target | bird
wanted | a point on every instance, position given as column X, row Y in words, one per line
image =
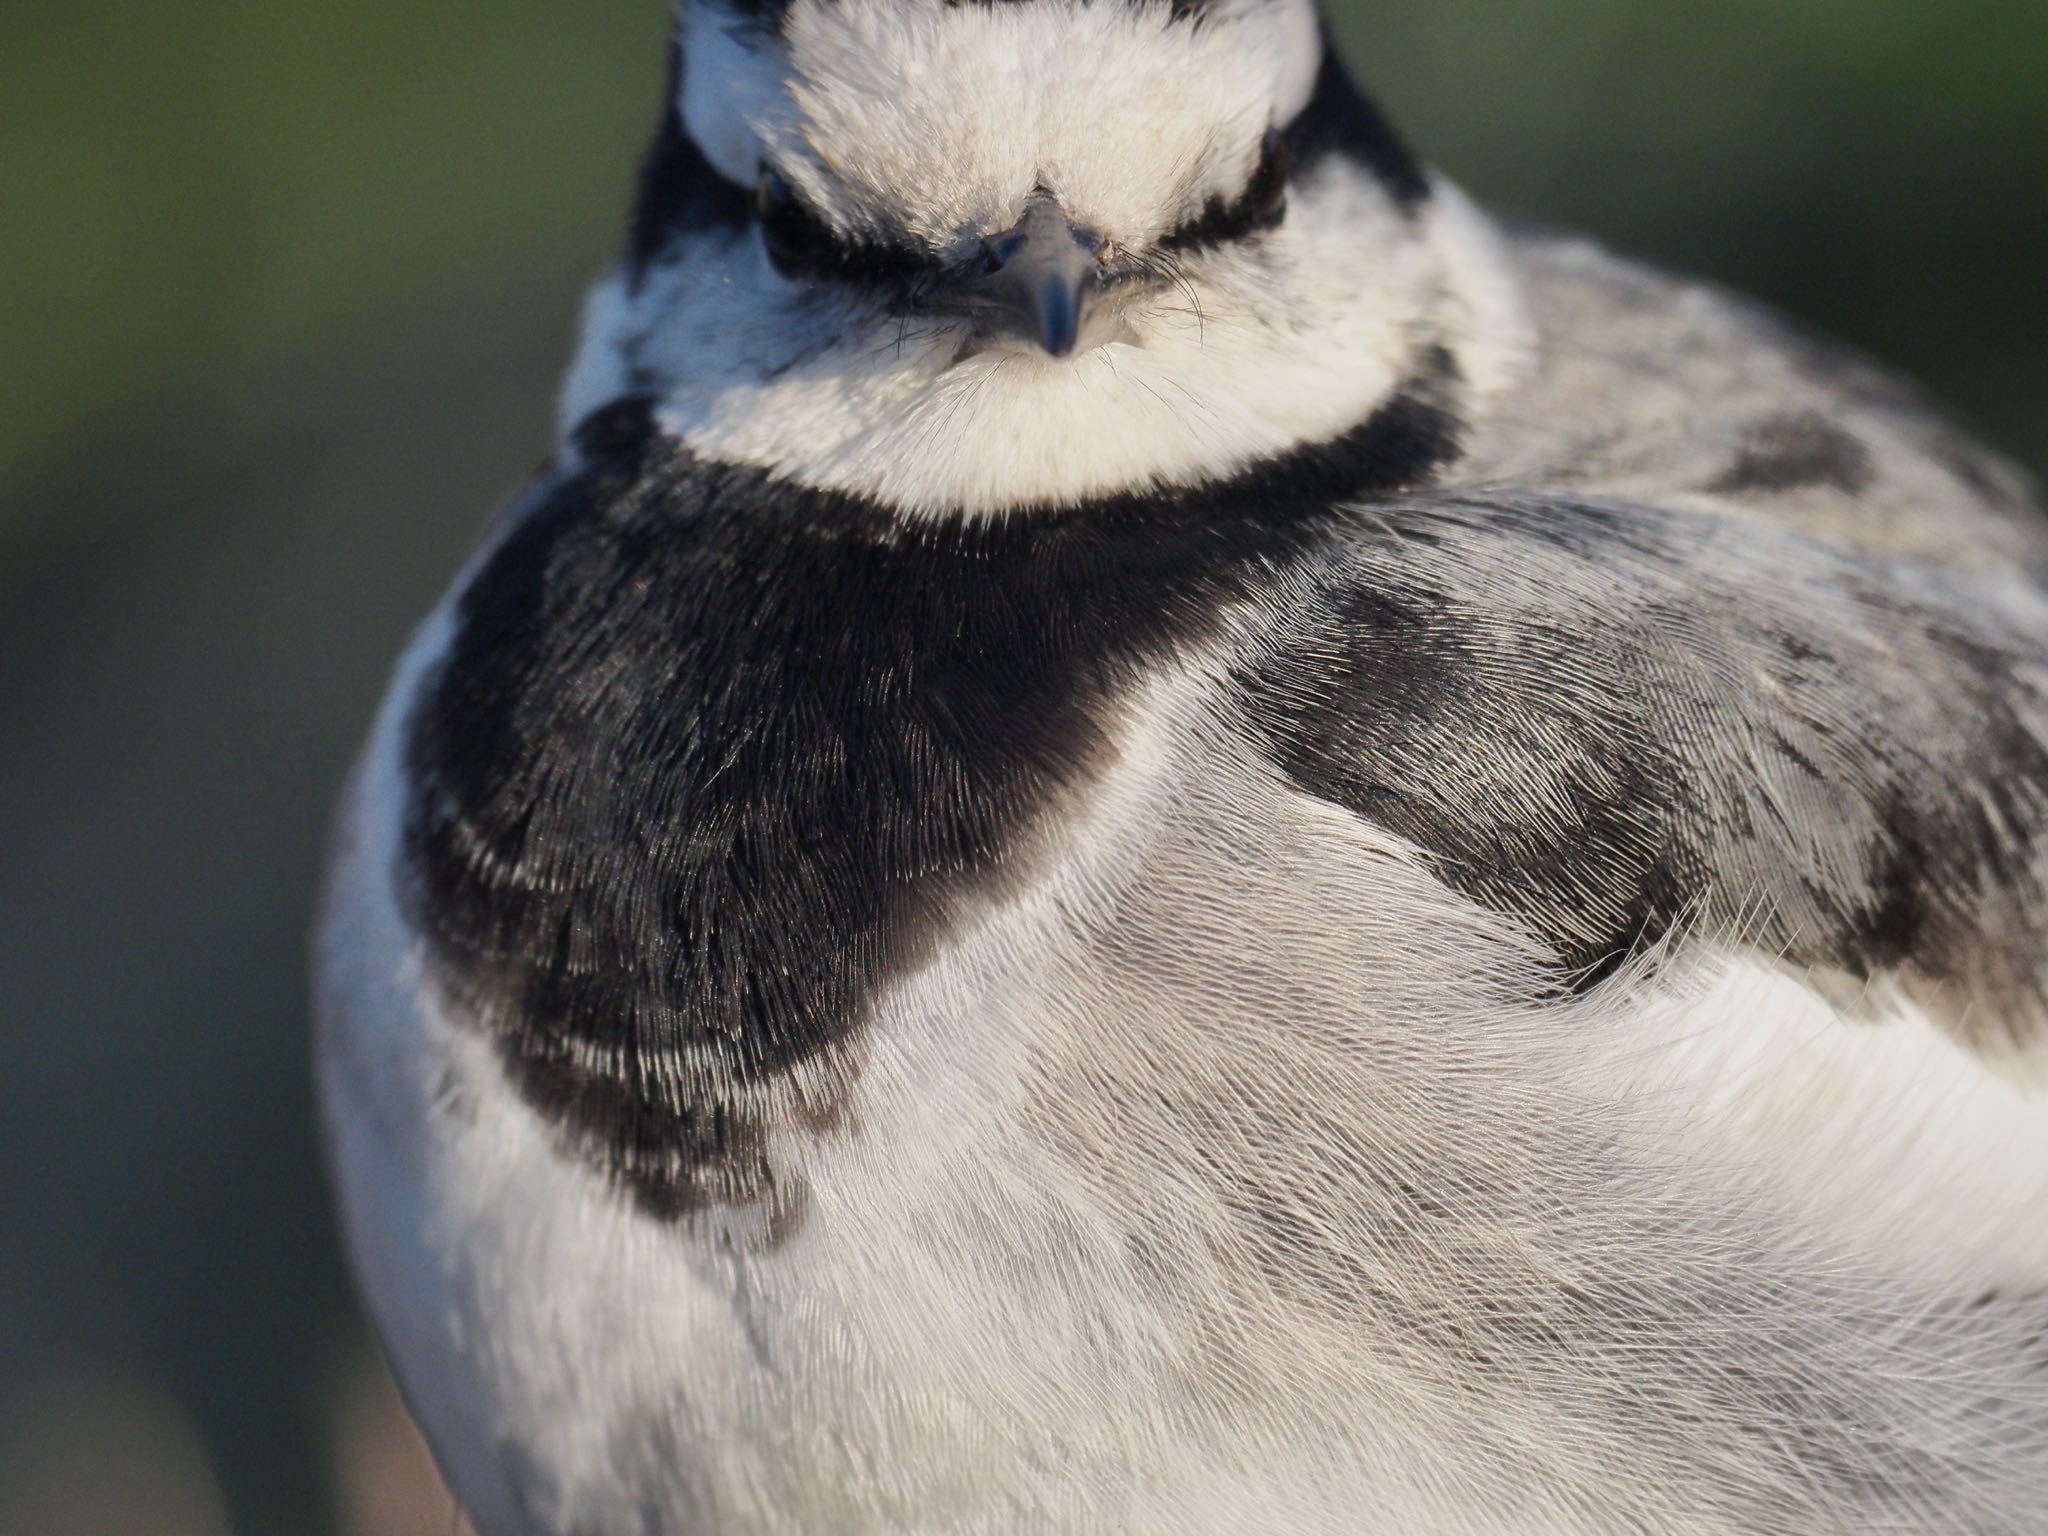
column 1150, row 829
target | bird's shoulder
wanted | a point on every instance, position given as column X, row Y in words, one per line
column 1646, row 384
column 1634, row 726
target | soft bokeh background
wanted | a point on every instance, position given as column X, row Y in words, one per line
column 283, row 290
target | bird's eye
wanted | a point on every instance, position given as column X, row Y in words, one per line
column 795, row 237
column 1265, row 196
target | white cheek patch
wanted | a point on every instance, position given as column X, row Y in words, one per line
column 1133, row 119
column 732, row 79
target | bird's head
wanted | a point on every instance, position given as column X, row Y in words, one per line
column 970, row 257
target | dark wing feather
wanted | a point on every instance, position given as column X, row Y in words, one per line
column 1622, row 724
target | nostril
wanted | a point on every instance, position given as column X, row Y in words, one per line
column 997, row 250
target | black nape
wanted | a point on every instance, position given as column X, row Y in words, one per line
column 680, row 192
column 1340, row 119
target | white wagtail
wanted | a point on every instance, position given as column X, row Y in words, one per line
column 1149, row 832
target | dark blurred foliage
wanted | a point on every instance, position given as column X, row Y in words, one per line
column 283, row 291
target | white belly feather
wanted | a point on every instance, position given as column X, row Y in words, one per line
column 1112, row 1240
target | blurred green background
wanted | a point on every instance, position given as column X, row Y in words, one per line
column 283, row 292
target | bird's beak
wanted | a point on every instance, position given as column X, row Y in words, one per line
column 1040, row 282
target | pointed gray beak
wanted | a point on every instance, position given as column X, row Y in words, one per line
column 1040, row 281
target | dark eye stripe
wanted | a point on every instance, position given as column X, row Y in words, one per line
column 1261, row 206
column 803, row 244
column 1339, row 120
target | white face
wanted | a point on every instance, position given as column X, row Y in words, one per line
column 913, row 131
column 942, row 119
